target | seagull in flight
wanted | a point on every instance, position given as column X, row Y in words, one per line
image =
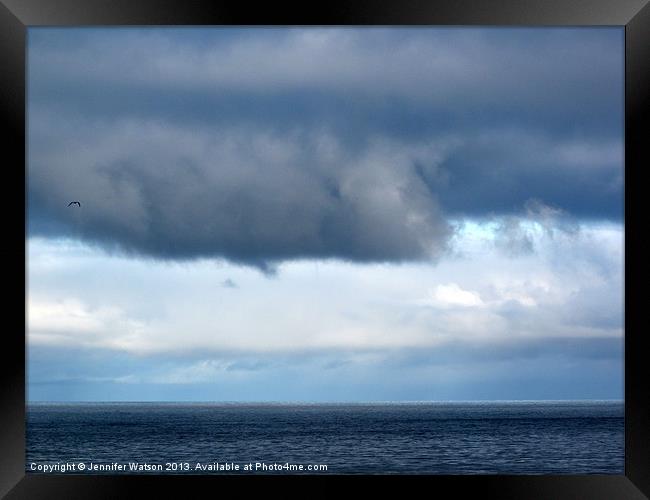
column 74, row 203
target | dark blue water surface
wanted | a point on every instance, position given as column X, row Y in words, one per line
column 407, row 438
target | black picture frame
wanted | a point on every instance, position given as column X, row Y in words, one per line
column 17, row 15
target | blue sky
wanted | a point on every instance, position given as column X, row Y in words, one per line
column 325, row 214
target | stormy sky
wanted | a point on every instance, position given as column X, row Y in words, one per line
column 325, row 214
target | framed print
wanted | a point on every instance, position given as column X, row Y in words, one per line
column 374, row 242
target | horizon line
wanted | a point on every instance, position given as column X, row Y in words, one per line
column 287, row 402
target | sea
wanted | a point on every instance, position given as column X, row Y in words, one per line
column 503, row 437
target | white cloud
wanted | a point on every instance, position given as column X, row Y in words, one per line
column 453, row 295
column 569, row 287
column 72, row 322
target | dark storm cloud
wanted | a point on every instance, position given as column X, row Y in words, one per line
column 271, row 144
column 249, row 196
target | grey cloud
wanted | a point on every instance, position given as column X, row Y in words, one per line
column 552, row 219
column 512, row 238
column 246, row 195
column 515, row 239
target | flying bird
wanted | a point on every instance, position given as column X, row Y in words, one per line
column 74, row 203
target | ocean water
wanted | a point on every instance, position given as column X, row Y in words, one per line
column 561, row 437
